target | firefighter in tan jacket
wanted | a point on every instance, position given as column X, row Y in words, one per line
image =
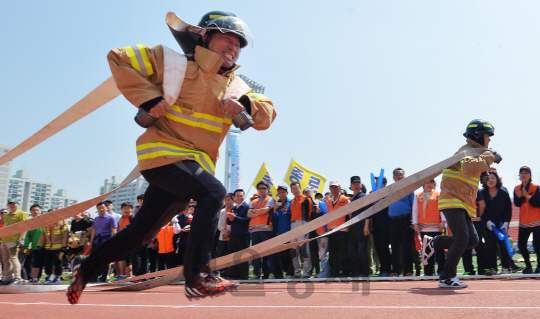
column 457, row 201
column 54, row 238
column 191, row 97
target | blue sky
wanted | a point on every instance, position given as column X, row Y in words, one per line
column 357, row 85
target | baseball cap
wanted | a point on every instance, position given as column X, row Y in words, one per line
column 13, row 200
column 334, row 183
column 355, row 179
column 283, row 187
column 525, row 168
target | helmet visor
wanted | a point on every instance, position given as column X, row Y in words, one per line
column 234, row 25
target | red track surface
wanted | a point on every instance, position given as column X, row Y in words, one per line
column 482, row 299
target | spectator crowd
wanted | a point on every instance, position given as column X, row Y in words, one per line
column 388, row 244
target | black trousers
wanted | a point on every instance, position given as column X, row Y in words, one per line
column 338, row 246
column 283, row 261
column 237, row 243
column 222, row 250
column 51, row 260
column 463, row 237
column 152, row 259
column 171, row 187
column 314, row 253
column 139, row 260
column 481, row 252
column 523, row 238
column 167, row 261
column 492, row 244
column 401, row 238
column 358, row 253
column 439, row 257
column 381, row 239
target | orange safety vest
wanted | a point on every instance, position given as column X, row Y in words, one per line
column 263, row 221
column 165, row 239
column 342, row 201
column 528, row 216
column 296, row 208
column 431, row 217
column 124, row 221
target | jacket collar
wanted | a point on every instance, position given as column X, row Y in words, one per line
column 210, row 61
column 474, row 144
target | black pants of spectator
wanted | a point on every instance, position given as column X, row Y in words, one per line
column 439, row 257
column 284, row 264
column 401, row 238
column 314, row 250
column 238, row 243
column 139, row 260
column 171, row 187
column 381, row 239
column 266, row 264
column 492, row 244
column 523, row 238
column 152, row 259
column 463, row 237
column 358, row 254
column 223, row 250
column 338, row 245
column 51, row 260
column 481, row 252
column 166, row 261
column 38, row 260
column 181, row 254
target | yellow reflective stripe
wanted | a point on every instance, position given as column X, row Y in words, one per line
column 215, row 16
column 145, row 59
column 139, row 59
column 197, row 119
column 455, row 174
column 257, row 96
column 193, row 123
column 473, row 125
column 133, row 58
column 453, row 203
column 487, row 125
column 153, row 150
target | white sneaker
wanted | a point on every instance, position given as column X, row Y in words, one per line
column 427, row 249
column 452, row 283
column 505, row 271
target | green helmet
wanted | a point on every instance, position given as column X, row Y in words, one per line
column 478, row 128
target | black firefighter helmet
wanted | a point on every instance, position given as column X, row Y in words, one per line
column 477, row 128
column 189, row 36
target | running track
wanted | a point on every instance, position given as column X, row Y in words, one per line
column 494, row 298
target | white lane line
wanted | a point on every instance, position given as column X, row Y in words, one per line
column 274, row 306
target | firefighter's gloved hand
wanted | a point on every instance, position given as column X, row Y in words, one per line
column 490, row 225
column 505, row 226
column 497, row 155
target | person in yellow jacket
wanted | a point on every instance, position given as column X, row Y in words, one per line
column 178, row 153
column 54, row 238
column 457, row 201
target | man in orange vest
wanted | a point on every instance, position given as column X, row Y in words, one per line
column 260, row 212
column 429, row 221
column 527, row 198
column 338, row 242
column 300, row 209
